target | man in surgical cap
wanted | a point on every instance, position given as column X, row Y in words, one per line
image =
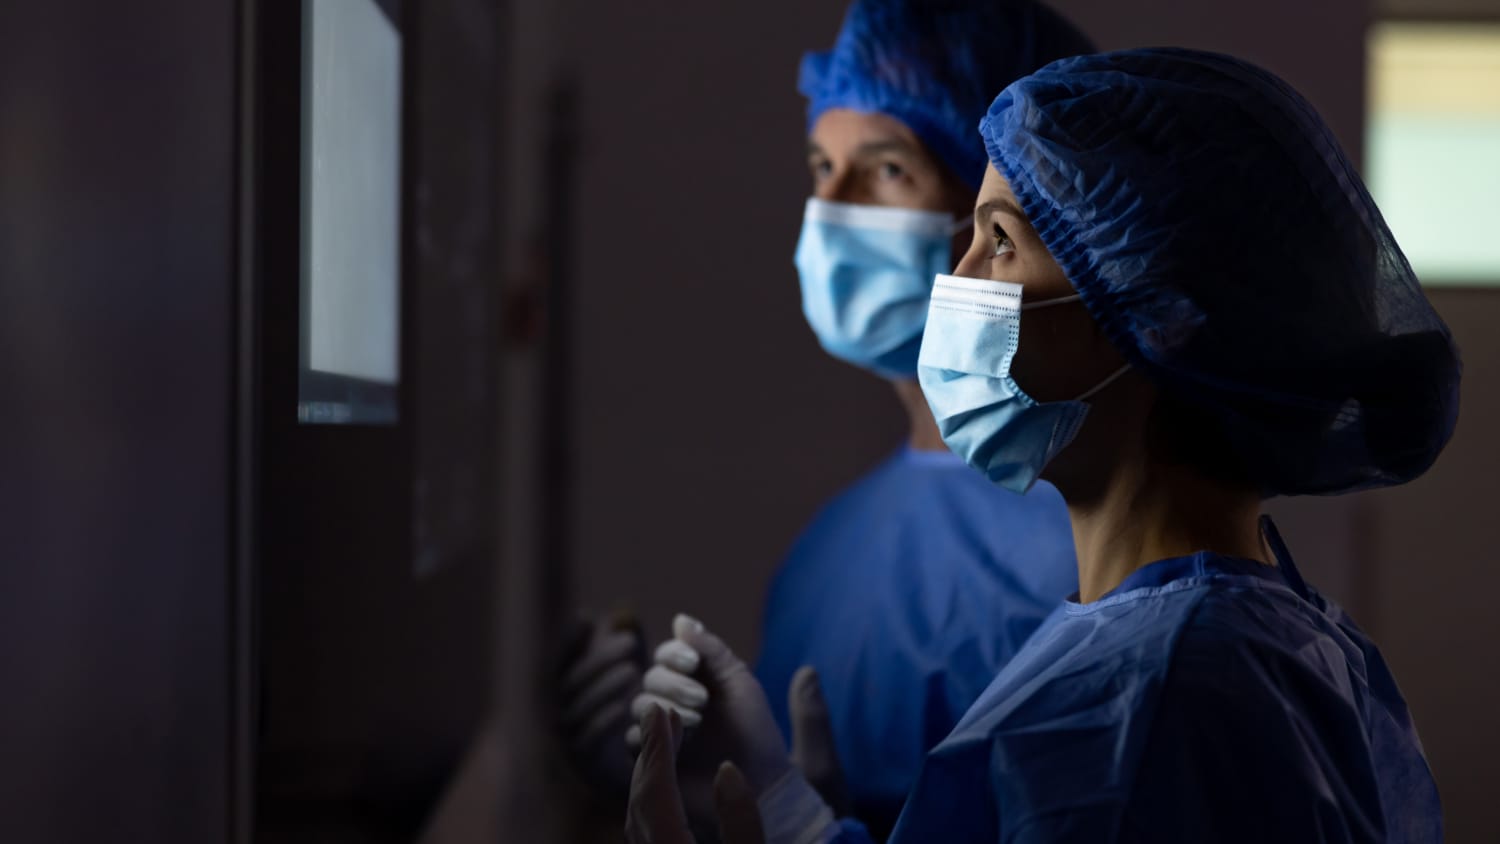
column 914, row 586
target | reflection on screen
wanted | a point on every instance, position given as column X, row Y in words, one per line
column 351, row 166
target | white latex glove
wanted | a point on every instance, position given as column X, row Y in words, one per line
column 670, row 685
column 655, row 814
column 706, row 684
column 598, row 676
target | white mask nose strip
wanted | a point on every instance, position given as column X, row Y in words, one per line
column 994, row 299
column 879, row 217
column 1006, row 295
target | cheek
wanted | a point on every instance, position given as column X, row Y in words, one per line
column 1058, row 354
column 915, row 188
column 897, row 193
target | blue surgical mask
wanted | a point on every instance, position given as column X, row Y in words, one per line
column 866, row 273
column 973, row 331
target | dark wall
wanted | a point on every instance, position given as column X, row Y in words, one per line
column 1433, row 576
column 710, row 426
column 116, row 163
column 1318, row 47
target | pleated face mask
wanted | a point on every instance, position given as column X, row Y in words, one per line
column 866, row 273
column 973, row 332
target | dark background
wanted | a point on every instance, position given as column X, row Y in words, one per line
column 662, row 428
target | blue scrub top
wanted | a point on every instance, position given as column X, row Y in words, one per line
column 1206, row 699
column 908, row 593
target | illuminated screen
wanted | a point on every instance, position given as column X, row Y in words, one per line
column 351, row 214
column 1433, row 157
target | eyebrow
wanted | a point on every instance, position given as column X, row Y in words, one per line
column 878, row 147
column 871, row 148
column 1003, row 206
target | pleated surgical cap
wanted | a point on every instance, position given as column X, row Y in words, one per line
column 935, row 65
column 1225, row 244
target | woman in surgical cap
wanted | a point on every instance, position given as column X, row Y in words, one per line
column 1180, row 300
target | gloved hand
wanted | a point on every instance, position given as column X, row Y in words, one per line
column 655, row 814
column 813, row 750
column 698, row 677
column 670, row 684
column 598, row 675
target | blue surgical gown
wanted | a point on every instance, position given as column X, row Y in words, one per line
column 908, row 593
column 1205, row 699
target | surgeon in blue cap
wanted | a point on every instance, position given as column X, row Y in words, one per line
column 1180, row 300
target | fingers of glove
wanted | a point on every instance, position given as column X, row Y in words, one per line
column 678, row 688
column 678, row 656
column 734, row 801
column 603, row 652
column 617, row 684
column 644, row 701
column 716, row 655
column 655, row 814
column 625, row 621
column 813, row 749
column 812, row 729
column 605, row 724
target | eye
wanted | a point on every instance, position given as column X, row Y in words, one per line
column 891, row 170
column 821, row 168
column 1003, row 244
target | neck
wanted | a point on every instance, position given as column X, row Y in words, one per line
column 924, row 434
column 1151, row 513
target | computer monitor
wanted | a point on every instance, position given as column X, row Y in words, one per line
column 350, row 364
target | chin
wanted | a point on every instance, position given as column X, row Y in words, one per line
column 1075, row 476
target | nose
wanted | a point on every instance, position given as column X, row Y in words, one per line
column 842, row 186
column 968, row 263
column 959, row 248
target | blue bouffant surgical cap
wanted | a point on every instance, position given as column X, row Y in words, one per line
column 935, row 65
column 1225, row 244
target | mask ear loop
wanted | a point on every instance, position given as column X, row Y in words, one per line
column 1047, row 303
column 1097, row 388
column 960, row 225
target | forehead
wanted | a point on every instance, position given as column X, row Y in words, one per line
column 843, row 131
column 995, row 186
